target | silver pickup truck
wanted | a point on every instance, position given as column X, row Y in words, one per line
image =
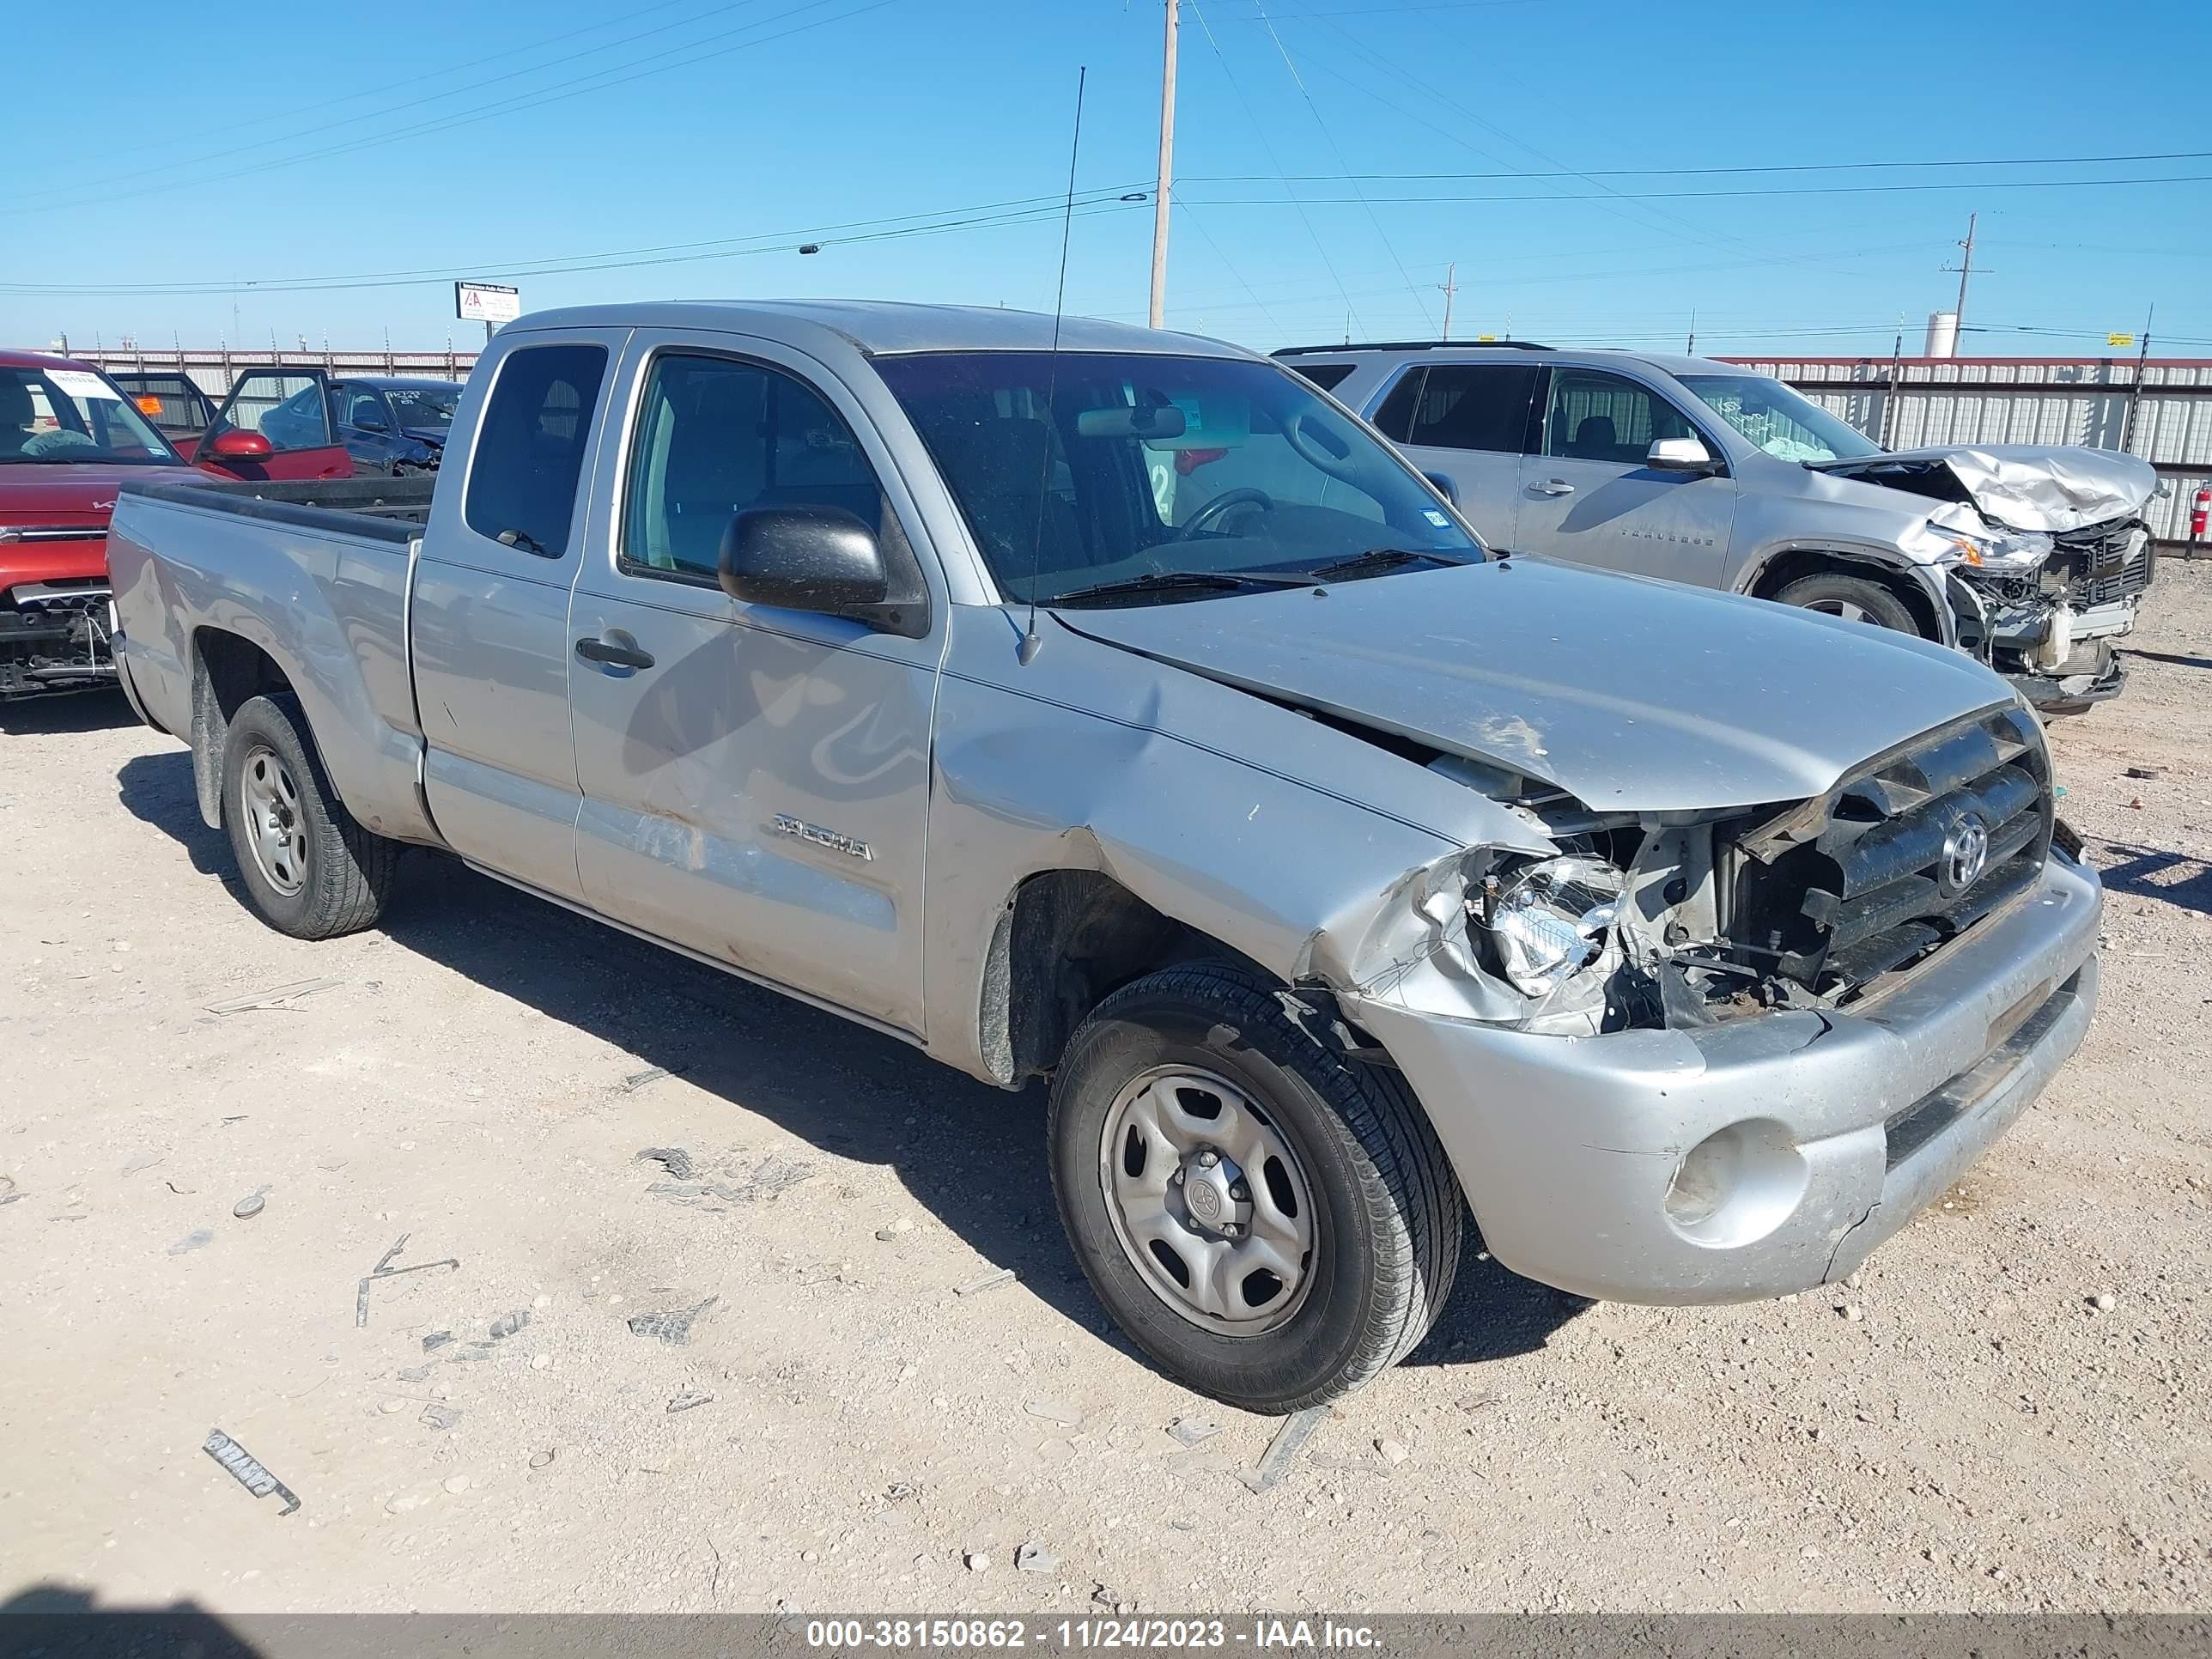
column 1111, row 707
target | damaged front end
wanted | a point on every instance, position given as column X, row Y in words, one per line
column 2046, row 554
column 1685, row 920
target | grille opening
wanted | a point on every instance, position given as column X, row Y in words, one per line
column 1902, row 857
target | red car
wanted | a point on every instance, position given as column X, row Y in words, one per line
column 68, row 436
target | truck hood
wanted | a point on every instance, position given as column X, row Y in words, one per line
column 83, row 494
column 2045, row 486
column 1627, row 693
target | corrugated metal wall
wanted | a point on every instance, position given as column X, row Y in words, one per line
column 2029, row 400
column 214, row 371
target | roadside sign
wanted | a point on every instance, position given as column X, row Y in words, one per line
column 487, row 303
column 2120, row 339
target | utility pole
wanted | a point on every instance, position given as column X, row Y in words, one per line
column 2135, row 392
column 1450, row 286
column 1166, row 185
column 1965, row 269
column 1690, row 345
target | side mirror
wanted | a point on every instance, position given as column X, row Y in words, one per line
column 805, row 558
column 1445, row 486
column 1678, row 455
column 239, row 445
column 371, row 423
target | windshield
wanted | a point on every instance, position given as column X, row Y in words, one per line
column 1786, row 424
column 58, row 416
column 423, row 406
column 1127, row 467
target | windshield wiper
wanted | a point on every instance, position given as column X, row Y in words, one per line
column 1376, row 559
column 1194, row 582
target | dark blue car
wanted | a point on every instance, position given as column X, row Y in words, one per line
column 392, row 423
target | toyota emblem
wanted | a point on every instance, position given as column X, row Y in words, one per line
column 1966, row 854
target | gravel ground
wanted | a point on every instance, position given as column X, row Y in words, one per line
column 1971, row 1427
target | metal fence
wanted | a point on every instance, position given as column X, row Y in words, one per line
column 1905, row 403
column 214, row 371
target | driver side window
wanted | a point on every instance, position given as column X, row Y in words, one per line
column 1596, row 416
column 718, row 436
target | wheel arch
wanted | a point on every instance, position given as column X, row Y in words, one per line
column 229, row 670
column 1066, row 940
column 1904, row 579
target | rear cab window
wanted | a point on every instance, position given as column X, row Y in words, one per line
column 530, row 448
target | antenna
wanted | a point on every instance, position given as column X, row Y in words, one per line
column 1030, row 642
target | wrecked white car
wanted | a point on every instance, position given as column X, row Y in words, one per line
column 1129, row 715
column 2034, row 559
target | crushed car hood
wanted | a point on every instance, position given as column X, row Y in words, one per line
column 2045, row 486
column 1628, row 693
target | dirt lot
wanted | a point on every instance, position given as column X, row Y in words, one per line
column 1965, row 1428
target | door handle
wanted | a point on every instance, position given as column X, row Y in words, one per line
column 613, row 656
column 1553, row 487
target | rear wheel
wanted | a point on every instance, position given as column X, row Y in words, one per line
column 1855, row 598
column 310, row 871
column 1272, row 1222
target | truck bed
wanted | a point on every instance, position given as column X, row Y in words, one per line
column 312, row 576
column 384, row 509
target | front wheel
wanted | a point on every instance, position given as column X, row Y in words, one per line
column 1272, row 1222
column 310, row 870
column 1854, row 598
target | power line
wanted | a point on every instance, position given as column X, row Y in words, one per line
column 1719, row 195
column 1020, row 211
column 1681, row 171
column 1269, row 151
column 77, row 188
column 1329, row 138
column 534, row 99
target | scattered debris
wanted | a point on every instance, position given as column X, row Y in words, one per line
column 540, row 1459
column 415, row 1374
column 637, row 1080
column 383, row 1269
column 976, row 1561
column 1283, row 1451
column 2135, row 805
column 673, row 1326
column 392, row 1407
column 2146, row 772
column 1191, row 1431
column 1394, row 1452
column 674, row 1159
column 899, row 1491
column 457, row 1484
column 439, row 1417
column 896, row 1228
column 539, row 1362
column 181, row 1191
column 141, row 1161
column 435, row 1340
column 1053, row 1411
column 469, row 1351
column 1028, row 1558
column 2104, row 1301
column 772, row 1176
column 251, row 1205
column 247, row 1470
column 285, row 996
column 689, row 1399
column 989, row 1281
column 1852, row 1311
column 508, row 1324
column 199, row 1238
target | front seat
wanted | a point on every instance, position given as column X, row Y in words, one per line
column 1594, row 439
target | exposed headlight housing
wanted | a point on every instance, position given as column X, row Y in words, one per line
column 1989, row 548
column 1548, row 921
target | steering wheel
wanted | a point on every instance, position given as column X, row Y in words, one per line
column 1227, row 501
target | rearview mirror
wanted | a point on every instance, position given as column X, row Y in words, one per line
column 1678, row 455
column 804, row 558
column 237, row 444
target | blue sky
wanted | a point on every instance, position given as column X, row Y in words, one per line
column 1333, row 160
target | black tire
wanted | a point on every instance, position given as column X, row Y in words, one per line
column 1841, row 595
column 346, row 870
column 1386, row 1210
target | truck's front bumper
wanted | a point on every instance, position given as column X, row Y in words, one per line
column 1769, row 1155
